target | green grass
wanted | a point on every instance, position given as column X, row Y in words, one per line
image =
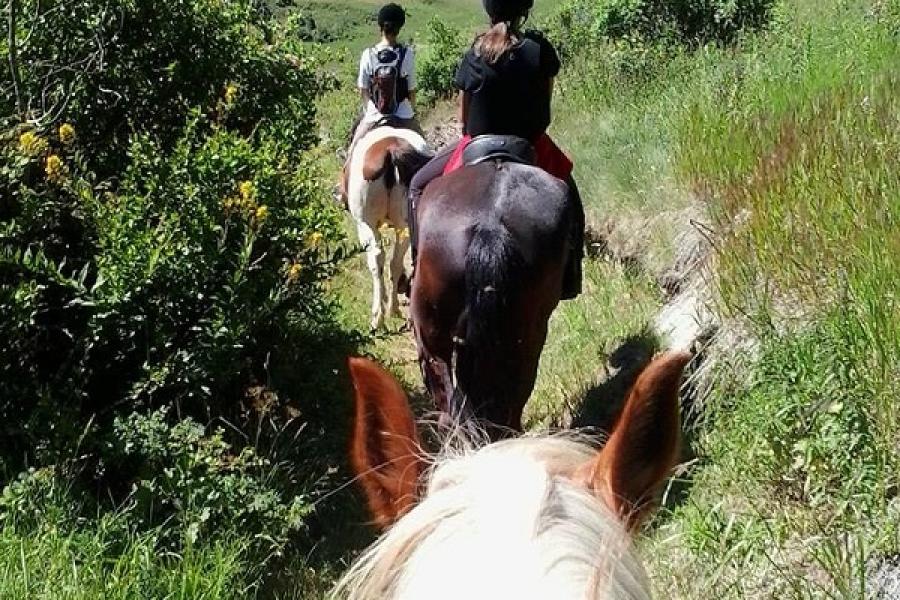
column 104, row 562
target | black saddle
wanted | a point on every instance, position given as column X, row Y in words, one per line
column 504, row 148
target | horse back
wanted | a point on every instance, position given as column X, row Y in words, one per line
column 532, row 205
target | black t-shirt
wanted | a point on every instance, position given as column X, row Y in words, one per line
column 512, row 96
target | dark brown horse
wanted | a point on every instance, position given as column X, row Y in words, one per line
column 492, row 245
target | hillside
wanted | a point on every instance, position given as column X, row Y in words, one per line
column 180, row 292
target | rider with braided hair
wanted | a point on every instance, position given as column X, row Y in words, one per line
column 506, row 82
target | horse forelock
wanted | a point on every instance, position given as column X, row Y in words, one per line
column 504, row 521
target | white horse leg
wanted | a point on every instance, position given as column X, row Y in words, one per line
column 370, row 238
column 401, row 245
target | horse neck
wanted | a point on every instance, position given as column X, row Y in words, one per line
column 503, row 522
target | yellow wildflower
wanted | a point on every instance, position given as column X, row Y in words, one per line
column 294, row 272
column 315, row 238
column 231, row 93
column 31, row 144
column 246, row 189
column 55, row 168
column 66, row 133
column 262, row 213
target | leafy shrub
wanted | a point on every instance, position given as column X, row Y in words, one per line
column 113, row 67
column 200, row 487
column 437, row 69
column 181, row 279
column 683, row 21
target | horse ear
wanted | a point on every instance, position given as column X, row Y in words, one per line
column 384, row 448
column 644, row 443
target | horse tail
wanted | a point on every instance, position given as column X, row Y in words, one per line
column 493, row 262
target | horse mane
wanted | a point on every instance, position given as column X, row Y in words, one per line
column 504, row 520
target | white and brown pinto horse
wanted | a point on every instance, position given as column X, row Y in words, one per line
column 374, row 183
column 528, row 518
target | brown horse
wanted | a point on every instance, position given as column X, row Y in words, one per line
column 492, row 246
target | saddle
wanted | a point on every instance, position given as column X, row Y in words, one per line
column 543, row 153
column 503, row 148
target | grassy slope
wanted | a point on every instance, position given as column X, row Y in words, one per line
column 790, row 142
column 796, row 139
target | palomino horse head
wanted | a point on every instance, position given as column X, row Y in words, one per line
column 375, row 182
column 493, row 242
column 527, row 518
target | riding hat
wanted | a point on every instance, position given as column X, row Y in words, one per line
column 391, row 13
column 507, row 10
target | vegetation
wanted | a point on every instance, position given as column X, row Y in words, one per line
column 176, row 304
column 791, row 490
column 164, row 237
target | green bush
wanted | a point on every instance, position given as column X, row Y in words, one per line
column 168, row 290
column 200, row 487
column 437, row 68
column 689, row 22
column 116, row 67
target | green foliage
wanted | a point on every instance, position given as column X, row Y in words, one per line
column 48, row 551
column 169, row 289
column 130, row 66
column 437, row 67
column 201, row 488
column 689, row 22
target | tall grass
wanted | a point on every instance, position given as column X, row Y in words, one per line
column 103, row 562
column 791, row 142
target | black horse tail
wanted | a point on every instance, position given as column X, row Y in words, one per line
column 493, row 265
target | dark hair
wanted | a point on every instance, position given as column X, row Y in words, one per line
column 389, row 28
column 498, row 40
column 391, row 18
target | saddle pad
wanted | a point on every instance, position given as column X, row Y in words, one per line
column 548, row 157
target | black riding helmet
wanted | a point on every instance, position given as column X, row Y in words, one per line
column 507, row 10
column 393, row 14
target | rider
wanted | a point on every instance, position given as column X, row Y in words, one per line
column 387, row 78
column 506, row 83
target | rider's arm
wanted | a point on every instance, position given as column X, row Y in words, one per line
column 364, row 80
column 463, row 109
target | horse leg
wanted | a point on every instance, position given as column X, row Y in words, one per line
column 401, row 245
column 370, row 238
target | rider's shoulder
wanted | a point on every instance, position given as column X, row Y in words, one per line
column 539, row 38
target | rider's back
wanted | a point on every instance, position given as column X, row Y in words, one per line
column 510, row 96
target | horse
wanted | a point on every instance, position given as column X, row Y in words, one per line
column 374, row 183
column 493, row 241
column 528, row 518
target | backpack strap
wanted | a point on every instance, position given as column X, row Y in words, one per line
column 403, row 83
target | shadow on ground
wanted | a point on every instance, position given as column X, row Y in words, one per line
column 602, row 402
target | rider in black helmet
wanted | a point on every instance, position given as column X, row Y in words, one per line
column 506, row 84
column 389, row 52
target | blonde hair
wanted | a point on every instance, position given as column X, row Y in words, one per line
column 503, row 521
column 498, row 40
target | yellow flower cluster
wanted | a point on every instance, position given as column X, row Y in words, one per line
column 55, row 169
column 66, row 133
column 315, row 238
column 31, row 144
column 245, row 203
column 231, row 93
column 294, row 272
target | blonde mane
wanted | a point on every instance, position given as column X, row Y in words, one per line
column 503, row 521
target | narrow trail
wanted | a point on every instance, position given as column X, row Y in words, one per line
column 677, row 315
